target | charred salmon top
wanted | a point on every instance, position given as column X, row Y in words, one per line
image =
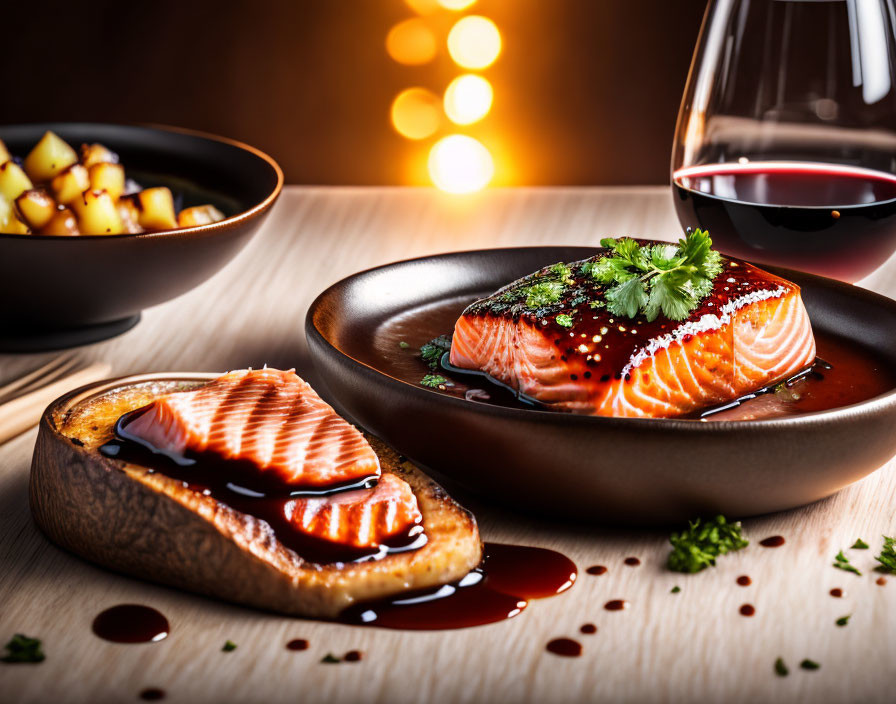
column 751, row 331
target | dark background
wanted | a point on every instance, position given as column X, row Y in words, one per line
column 586, row 91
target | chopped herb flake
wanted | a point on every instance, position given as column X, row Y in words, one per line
column 859, row 545
column 659, row 278
column 809, row 665
column 675, row 589
column 843, row 620
column 404, row 345
column 564, row 320
column 431, row 353
column 434, row 381
column 698, row 547
column 887, row 557
column 841, row 562
column 23, row 649
column 330, row 658
column 542, row 294
column 780, row 668
column 229, row 646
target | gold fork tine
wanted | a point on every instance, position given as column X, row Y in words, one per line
column 53, row 368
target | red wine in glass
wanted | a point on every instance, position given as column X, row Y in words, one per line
column 831, row 219
column 785, row 146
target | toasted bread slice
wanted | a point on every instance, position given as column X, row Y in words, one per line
column 133, row 520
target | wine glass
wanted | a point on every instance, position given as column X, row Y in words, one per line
column 785, row 147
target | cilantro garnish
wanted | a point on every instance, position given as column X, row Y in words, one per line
column 229, row 646
column 330, row 658
column 841, row 562
column 23, row 649
column 887, row 557
column 434, row 381
column 431, row 353
column 859, row 545
column 809, row 664
column 563, row 273
column 564, row 319
column 698, row 547
column 780, row 668
column 542, row 294
column 659, row 278
column 843, row 620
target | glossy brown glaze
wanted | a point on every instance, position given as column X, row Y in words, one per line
column 848, row 373
column 297, row 644
column 616, row 605
column 131, row 623
column 744, row 581
column 747, row 610
column 510, row 575
column 632, row 561
column 240, row 485
column 836, row 592
column 565, row 647
column 588, row 629
column 596, row 570
column 774, row 541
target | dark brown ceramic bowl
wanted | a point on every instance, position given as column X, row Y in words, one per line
column 615, row 470
column 60, row 291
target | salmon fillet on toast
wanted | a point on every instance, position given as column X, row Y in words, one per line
column 137, row 519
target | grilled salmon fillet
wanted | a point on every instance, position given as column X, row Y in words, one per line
column 751, row 331
column 135, row 519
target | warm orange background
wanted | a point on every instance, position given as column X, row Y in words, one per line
column 586, row 91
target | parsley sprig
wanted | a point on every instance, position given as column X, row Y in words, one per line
column 698, row 547
column 887, row 557
column 23, row 649
column 659, row 278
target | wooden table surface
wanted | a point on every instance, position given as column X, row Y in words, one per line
column 687, row 647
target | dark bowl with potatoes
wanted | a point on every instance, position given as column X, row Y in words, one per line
column 100, row 221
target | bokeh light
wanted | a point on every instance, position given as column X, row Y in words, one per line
column 416, row 113
column 474, row 42
column 460, row 164
column 411, row 42
column 423, row 7
column 468, row 99
column 456, row 5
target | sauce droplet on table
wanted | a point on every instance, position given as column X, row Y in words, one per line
column 632, row 561
column 836, row 592
column 774, row 541
column 747, row 610
column 297, row 644
column 744, row 581
column 131, row 623
column 596, row 570
column 566, row 647
column 152, row 694
column 588, row 629
column 616, row 605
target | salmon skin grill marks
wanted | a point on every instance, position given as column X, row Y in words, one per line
column 269, row 419
column 751, row 331
column 362, row 519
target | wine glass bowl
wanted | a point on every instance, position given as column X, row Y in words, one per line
column 785, row 147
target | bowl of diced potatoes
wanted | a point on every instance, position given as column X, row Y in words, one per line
column 99, row 222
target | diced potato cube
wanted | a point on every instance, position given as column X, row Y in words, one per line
column 36, row 207
column 9, row 222
column 63, row 224
column 4, row 153
column 107, row 177
column 199, row 215
column 93, row 154
column 70, row 184
column 13, row 181
column 97, row 214
column 156, row 209
column 51, row 155
column 129, row 212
